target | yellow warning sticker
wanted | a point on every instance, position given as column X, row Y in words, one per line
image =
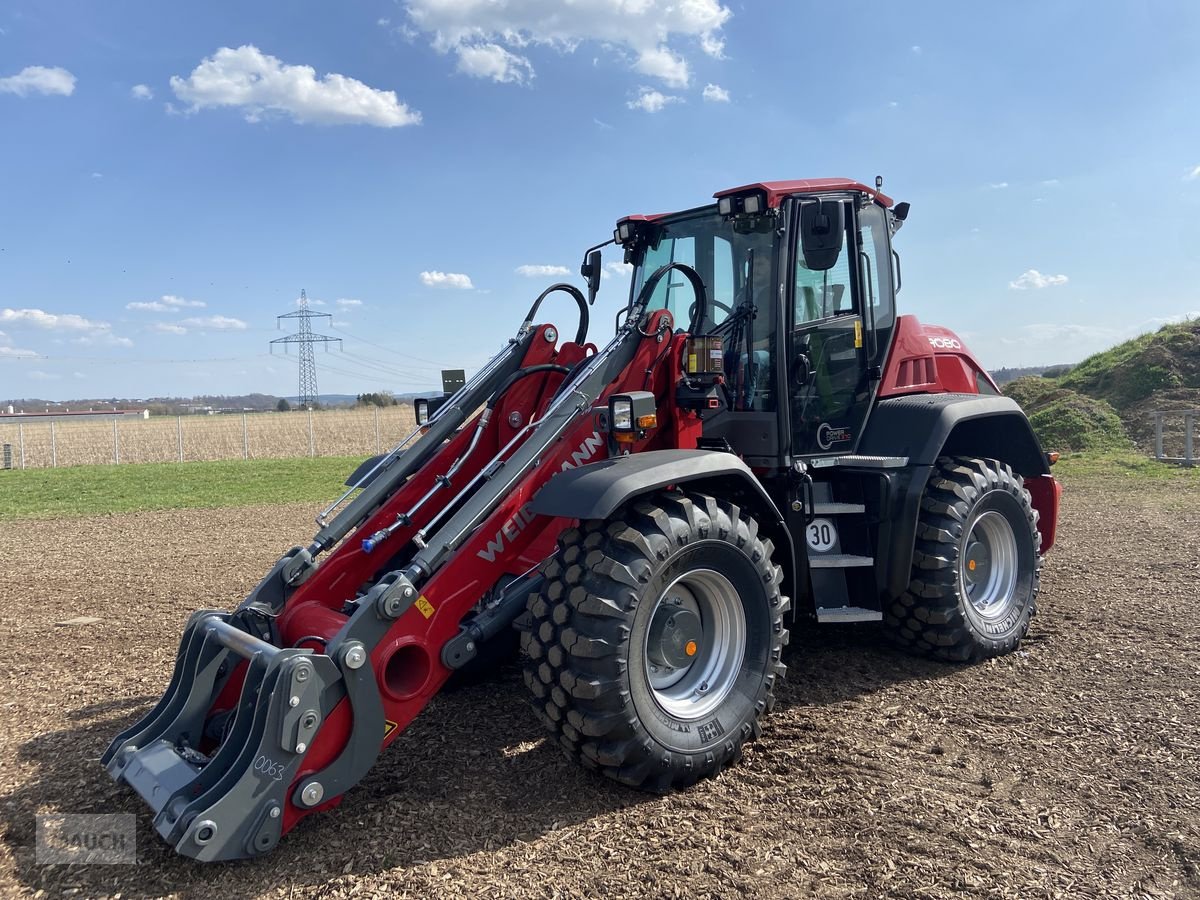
column 425, row 607
column 857, row 334
column 388, row 727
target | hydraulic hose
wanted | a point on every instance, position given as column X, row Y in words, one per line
column 522, row 373
column 580, row 301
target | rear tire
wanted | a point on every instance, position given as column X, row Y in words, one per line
column 975, row 565
column 656, row 639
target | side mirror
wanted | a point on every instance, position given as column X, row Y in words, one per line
column 421, row 409
column 822, row 232
column 591, row 270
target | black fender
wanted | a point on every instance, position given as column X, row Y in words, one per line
column 924, row 427
column 597, row 490
column 366, row 466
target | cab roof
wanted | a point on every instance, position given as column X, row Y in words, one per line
column 777, row 190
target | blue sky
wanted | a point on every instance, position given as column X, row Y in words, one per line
column 171, row 176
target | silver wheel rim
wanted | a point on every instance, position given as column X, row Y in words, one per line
column 694, row 690
column 989, row 567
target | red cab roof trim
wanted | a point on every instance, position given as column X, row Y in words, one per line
column 777, row 190
column 653, row 217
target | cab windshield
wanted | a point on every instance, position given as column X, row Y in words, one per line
column 735, row 264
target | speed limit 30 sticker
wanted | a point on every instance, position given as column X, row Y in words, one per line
column 821, row 535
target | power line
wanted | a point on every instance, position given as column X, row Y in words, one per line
column 307, row 393
column 393, row 352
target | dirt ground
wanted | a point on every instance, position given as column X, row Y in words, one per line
column 1070, row 769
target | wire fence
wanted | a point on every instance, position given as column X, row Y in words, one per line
column 265, row 435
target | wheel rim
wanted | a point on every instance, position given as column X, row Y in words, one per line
column 989, row 567
column 695, row 644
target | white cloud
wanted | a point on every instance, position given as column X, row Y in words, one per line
column 663, row 64
column 494, row 62
column 916, row 49
column 16, row 353
column 652, row 101
column 1193, row 174
column 713, row 46
column 312, row 302
column 216, row 323
column 1035, row 280
column 346, row 303
column 141, row 92
column 1054, row 182
column 447, row 280
column 181, row 303
column 103, row 339
column 166, row 303
column 542, row 271
column 167, row 328
column 261, row 84
column 617, row 270
column 39, row 80
column 1159, row 321
column 1065, row 335
column 998, row 185
column 50, row 321
column 714, row 93
column 643, row 30
column 39, row 375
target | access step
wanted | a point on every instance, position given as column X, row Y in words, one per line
column 840, row 561
column 849, row 614
column 838, row 509
column 853, row 461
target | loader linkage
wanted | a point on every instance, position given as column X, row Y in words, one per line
column 275, row 710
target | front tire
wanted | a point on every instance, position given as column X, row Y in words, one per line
column 656, row 639
column 975, row 565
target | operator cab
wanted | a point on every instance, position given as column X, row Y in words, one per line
column 801, row 283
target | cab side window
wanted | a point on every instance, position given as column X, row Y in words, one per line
column 823, row 294
column 876, row 261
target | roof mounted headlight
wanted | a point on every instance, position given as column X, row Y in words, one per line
column 753, row 203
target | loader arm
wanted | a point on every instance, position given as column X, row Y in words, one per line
column 276, row 709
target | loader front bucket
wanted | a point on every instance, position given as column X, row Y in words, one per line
column 219, row 782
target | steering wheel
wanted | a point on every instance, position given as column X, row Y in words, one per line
column 693, row 278
column 715, row 302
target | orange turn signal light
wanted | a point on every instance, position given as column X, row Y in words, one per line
column 1052, row 457
column 624, row 437
column 650, row 421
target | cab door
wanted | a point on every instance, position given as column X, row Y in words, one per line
column 840, row 324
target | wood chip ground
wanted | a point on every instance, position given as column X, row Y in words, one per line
column 1069, row 769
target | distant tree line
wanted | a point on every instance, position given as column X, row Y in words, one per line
column 1005, row 375
column 380, row 398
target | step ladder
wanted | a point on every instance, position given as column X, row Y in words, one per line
column 830, row 562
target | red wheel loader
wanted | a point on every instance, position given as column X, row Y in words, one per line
column 764, row 439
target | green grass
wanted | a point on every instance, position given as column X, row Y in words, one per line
column 1132, row 371
column 1123, row 466
column 95, row 490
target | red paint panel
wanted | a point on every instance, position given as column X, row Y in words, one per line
column 1045, row 491
column 929, row 359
